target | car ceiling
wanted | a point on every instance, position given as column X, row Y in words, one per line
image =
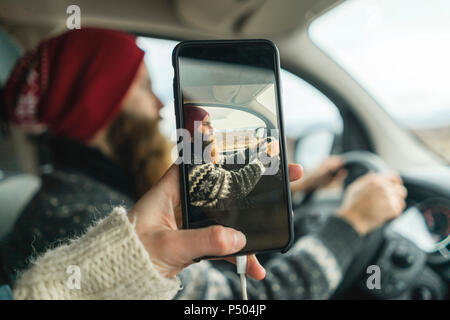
column 228, row 94
column 174, row 18
column 283, row 21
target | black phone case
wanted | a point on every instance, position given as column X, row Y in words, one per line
column 180, row 122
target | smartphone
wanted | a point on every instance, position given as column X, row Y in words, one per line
column 230, row 140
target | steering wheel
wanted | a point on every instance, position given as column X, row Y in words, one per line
column 358, row 163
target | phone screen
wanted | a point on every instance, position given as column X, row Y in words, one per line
column 232, row 144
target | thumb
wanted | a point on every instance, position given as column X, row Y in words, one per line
column 211, row 241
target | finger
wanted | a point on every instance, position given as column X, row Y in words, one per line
column 341, row 175
column 338, row 177
column 398, row 192
column 171, row 175
column 295, row 172
column 254, row 269
column 398, row 203
column 400, row 206
column 170, row 182
column 401, row 191
column 335, row 162
column 210, row 241
column 392, row 177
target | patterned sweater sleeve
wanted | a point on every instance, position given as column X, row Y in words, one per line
column 312, row 269
column 209, row 183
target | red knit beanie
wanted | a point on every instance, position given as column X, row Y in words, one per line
column 191, row 114
column 73, row 84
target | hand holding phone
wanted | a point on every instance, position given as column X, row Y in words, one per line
column 227, row 93
column 273, row 148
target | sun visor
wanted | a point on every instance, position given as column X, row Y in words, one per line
column 248, row 18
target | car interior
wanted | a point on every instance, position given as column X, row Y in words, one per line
column 364, row 110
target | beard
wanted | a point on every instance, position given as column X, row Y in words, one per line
column 210, row 151
column 140, row 148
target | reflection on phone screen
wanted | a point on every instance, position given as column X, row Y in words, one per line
column 231, row 150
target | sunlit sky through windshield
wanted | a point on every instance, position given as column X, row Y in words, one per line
column 398, row 50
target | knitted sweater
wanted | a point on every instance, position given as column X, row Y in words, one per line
column 312, row 269
column 112, row 264
column 211, row 183
column 83, row 187
column 67, row 203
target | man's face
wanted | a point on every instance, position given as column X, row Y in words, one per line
column 134, row 137
column 207, row 129
column 140, row 99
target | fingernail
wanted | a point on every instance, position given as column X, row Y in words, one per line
column 239, row 240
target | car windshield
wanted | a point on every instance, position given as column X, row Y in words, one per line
column 305, row 109
column 399, row 51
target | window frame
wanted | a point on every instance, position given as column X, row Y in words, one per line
column 354, row 135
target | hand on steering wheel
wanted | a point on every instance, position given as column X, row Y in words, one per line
column 381, row 196
column 372, row 200
column 272, row 145
column 329, row 171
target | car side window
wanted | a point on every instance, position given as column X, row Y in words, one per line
column 311, row 120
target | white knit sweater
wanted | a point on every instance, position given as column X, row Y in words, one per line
column 112, row 264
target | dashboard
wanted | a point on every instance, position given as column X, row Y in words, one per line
column 414, row 253
column 426, row 225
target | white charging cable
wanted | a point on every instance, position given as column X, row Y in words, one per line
column 241, row 268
